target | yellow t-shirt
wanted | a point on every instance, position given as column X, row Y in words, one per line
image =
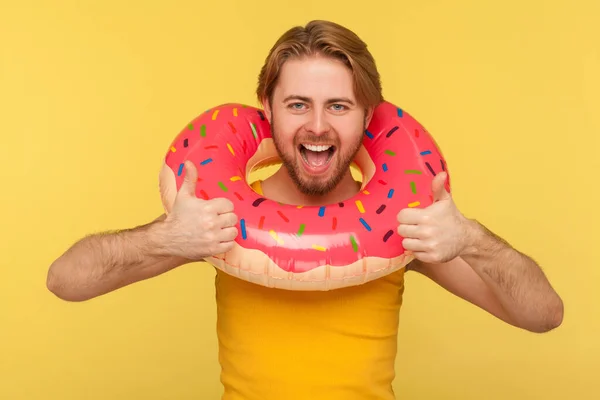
column 286, row 345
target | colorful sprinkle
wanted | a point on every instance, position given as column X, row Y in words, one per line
column 208, row 160
column 416, row 133
column 369, row 134
column 413, row 187
column 443, row 166
column 244, row 146
column 235, row 178
column 261, row 221
column 261, row 115
column 213, row 146
column 382, row 182
column 388, row 235
column 385, row 167
column 214, row 116
column 257, row 202
column 222, row 186
column 230, row 149
column 203, row 130
column 390, row 193
column 360, row 206
column 317, row 247
column 243, row 227
column 390, row 153
column 282, row 215
column 400, row 113
column 362, row 221
column 185, row 142
column 240, row 198
column 414, row 204
column 180, row 170
column 430, row 169
column 334, row 223
column 235, row 112
column 274, row 236
column 253, row 130
column 203, row 194
column 232, row 127
column 413, row 171
column 424, row 153
column 341, row 204
column 191, row 127
column 354, row 244
column 380, row 209
column 366, row 192
column 173, row 149
column 301, row 230
column 391, row 132
column 300, row 206
column 321, row 211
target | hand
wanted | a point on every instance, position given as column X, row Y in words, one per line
column 197, row 228
column 438, row 233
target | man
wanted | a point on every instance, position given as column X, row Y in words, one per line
column 318, row 86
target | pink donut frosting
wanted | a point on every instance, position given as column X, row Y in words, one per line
column 398, row 160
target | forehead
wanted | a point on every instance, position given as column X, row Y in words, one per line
column 317, row 78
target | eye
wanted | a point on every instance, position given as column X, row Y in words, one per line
column 339, row 107
column 296, row 106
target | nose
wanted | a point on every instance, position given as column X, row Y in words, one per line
column 318, row 123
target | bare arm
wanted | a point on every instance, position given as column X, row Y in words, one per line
column 501, row 280
column 101, row 263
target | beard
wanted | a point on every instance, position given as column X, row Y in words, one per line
column 316, row 186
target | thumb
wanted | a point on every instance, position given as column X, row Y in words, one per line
column 188, row 187
column 438, row 188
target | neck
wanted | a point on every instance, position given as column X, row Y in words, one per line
column 281, row 188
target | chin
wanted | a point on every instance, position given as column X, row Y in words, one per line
column 318, row 167
column 317, row 180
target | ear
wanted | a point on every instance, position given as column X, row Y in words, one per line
column 369, row 115
column 266, row 108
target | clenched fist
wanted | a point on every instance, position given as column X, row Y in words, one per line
column 197, row 228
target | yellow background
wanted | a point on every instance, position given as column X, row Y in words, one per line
column 91, row 93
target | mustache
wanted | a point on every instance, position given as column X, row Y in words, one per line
column 332, row 139
column 317, row 139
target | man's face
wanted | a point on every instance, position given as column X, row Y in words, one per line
column 316, row 122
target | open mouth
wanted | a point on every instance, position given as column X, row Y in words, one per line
column 316, row 157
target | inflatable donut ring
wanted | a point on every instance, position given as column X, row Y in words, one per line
column 307, row 248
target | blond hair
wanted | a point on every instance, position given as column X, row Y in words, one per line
column 328, row 39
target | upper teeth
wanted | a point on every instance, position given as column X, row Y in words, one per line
column 313, row 147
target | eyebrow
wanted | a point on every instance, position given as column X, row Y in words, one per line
column 308, row 100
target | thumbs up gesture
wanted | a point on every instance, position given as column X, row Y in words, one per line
column 438, row 233
column 197, row 228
